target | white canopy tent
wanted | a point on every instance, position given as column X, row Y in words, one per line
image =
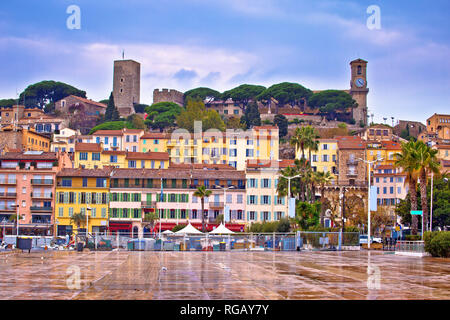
column 189, row 229
column 221, row 230
column 167, row 232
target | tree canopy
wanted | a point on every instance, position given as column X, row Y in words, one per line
column 286, row 92
column 140, row 107
column 196, row 111
column 202, row 93
column 282, row 123
column 244, row 93
column 7, row 102
column 332, row 101
column 47, row 92
column 113, row 125
column 251, row 116
column 111, row 112
column 162, row 115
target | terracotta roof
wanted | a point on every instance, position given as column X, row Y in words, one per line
column 117, row 152
column 384, row 166
column 23, row 156
column 350, row 142
column 133, row 130
column 177, row 174
column 108, row 133
column 148, row 156
column 90, row 147
column 391, row 145
column 88, row 101
column 105, row 172
column 270, row 163
column 155, row 135
column 201, row 166
column 265, row 128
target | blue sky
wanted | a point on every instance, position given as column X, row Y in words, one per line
column 183, row 44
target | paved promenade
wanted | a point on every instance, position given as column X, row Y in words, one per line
column 222, row 275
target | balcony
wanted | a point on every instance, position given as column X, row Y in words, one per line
column 35, row 195
column 352, row 173
column 352, row 162
column 8, row 195
column 8, row 182
column 148, row 204
column 216, row 205
column 41, row 209
column 8, row 209
column 42, row 182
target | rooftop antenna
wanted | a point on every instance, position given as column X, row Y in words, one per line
column 392, row 121
column 384, row 120
column 123, row 54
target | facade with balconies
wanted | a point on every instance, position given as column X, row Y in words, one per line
column 27, row 180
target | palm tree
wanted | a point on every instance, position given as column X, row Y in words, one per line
column 202, row 193
column 299, row 140
column 407, row 160
column 427, row 163
column 78, row 219
column 149, row 219
column 322, row 178
column 311, row 142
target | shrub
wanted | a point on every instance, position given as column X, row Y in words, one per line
column 21, row 165
column 283, row 226
column 351, row 229
column 178, row 227
column 269, row 227
column 437, row 244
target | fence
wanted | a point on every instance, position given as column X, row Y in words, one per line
column 412, row 247
column 232, row 242
column 204, row 242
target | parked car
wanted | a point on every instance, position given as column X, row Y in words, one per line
column 363, row 239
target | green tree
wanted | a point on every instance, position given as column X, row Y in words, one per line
column 178, row 227
column 243, row 94
column 282, row 123
column 42, row 93
column 407, row 160
column 136, row 121
column 149, row 219
column 330, row 102
column 196, row 111
column 78, row 219
column 307, row 214
column 202, row 193
column 427, row 163
column 286, row 93
column 305, row 138
column 111, row 112
column 112, row 125
column 140, row 108
column 251, row 116
column 7, row 102
column 202, row 93
column 234, row 123
column 322, row 179
column 162, row 115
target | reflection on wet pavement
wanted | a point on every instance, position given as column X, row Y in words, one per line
column 222, row 275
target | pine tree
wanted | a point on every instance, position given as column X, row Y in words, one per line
column 111, row 113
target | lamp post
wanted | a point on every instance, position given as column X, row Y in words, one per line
column 431, row 204
column 369, row 163
column 17, row 219
column 87, row 221
column 224, row 200
column 289, row 189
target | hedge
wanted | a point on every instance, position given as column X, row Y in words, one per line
column 437, row 243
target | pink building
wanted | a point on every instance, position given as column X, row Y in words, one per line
column 390, row 183
column 27, row 179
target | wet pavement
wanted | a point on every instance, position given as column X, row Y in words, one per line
column 222, row 275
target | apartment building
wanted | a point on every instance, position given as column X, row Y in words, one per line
column 324, row 159
column 262, row 201
column 27, row 180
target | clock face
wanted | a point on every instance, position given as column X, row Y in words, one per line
column 360, row 82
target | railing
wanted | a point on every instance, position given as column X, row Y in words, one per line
column 352, row 173
column 216, row 205
column 148, row 204
column 6, row 208
column 410, row 246
column 42, row 181
column 43, row 209
column 8, row 181
column 8, row 195
column 42, row 196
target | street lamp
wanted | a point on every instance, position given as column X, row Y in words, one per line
column 369, row 163
column 87, row 221
column 224, row 200
column 17, row 218
column 289, row 189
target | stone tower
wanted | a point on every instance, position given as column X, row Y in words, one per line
column 126, row 85
column 359, row 90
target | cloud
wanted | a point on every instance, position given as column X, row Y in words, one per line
column 185, row 75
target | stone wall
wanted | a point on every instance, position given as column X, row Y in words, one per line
column 126, row 85
column 169, row 95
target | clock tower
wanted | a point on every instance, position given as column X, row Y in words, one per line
column 359, row 90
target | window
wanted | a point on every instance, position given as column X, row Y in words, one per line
column 265, row 199
column 252, row 215
column 229, row 198
column 113, row 159
column 101, row 183
column 194, row 214
column 66, row 182
column 253, row 200
column 399, row 190
column 85, row 182
column 142, row 163
column 131, row 164
column 249, row 153
column 83, row 156
column 265, row 183
column 233, row 152
column 60, row 211
column 391, row 190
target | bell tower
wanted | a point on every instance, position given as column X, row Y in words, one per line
column 359, row 90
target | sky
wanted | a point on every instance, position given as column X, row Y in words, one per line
column 183, row 44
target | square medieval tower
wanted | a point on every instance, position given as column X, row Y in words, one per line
column 126, row 85
column 359, row 89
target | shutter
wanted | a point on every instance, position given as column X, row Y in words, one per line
column 164, row 197
column 270, row 199
column 248, row 216
column 256, row 200
column 66, row 197
column 256, row 183
column 107, row 198
column 275, row 200
column 110, row 213
column 139, row 197
column 248, row 199
column 270, row 215
column 262, row 199
column 270, row 181
column 88, row 197
column 57, row 197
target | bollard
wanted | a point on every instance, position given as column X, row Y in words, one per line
column 340, row 241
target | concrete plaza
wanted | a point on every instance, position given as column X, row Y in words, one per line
column 222, row 275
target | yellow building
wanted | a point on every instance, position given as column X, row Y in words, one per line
column 233, row 147
column 384, row 150
column 153, row 142
column 82, row 191
column 439, row 125
column 92, row 156
column 325, row 158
